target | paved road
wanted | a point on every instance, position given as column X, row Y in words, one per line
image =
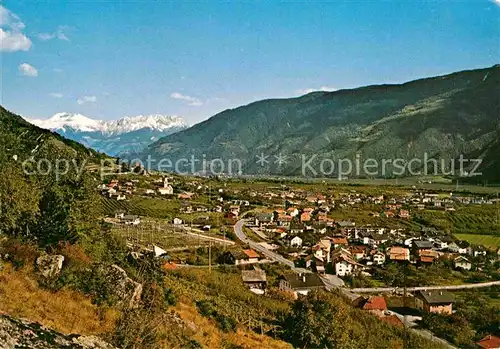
column 330, row 284
column 238, row 230
column 432, row 337
column 260, row 233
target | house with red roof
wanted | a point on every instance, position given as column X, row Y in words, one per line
column 393, row 320
column 489, row 342
column 305, row 217
column 239, row 257
column 404, row 214
column 375, row 305
column 397, row 253
column 339, row 241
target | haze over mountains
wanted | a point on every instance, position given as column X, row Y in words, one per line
column 439, row 118
column 442, row 117
column 113, row 137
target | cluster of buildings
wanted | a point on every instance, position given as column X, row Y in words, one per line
column 121, row 190
column 309, row 234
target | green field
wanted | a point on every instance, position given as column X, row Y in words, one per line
column 468, row 219
column 490, row 241
column 150, row 207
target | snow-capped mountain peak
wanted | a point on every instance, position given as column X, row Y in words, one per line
column 81, row 123
column 114, row 137
column 61, row 121
column 154, row 122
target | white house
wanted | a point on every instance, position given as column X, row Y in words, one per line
column 343, row 265
column 462, row 263
column 453, row 247
column 408, row 242
column 321, row 230
column 295, row 242
column 131, row 219
column 177, row 221
column 440, row 244
column 168, row 190
column 479, row 252
column 322, row 250
column 119, row 214
column 378, row 258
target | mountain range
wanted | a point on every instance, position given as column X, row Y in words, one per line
column 441, row 118
column 22, row 140
column 113, row 137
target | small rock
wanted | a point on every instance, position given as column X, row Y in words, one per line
column 50, row 265
column 92, row 342
column 192, row 326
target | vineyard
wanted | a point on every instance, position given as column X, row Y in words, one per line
column 155, row 208
column 151, row 233
column 489, row 241
column 466, row 220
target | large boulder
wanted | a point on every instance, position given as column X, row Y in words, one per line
column 49, row 265
column 19, row 333
column 127, row 291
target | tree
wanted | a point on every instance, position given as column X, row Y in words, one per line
column 322, row 320
column 69, row 210
column 18, row 199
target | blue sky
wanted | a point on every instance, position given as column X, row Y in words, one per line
column 108, row 59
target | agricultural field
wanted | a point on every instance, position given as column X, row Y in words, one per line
column 142, row 206
column 363, row 214
column 153, row 233
column 470, row 219
column 490, row 241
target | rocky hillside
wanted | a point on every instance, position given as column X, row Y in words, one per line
column 442, row 117
column 18, row 333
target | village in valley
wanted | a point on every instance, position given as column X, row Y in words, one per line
column 398, row 252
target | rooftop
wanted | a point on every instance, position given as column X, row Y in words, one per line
column 304, row 280
column 489, row 342
column 393, row 320
column 375, row 303
column 422, row 244
column 436, row 297
column 251, row 253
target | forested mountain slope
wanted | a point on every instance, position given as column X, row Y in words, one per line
column 442, row 117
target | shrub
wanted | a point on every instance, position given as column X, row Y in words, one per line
column 19, row 253
column 137, row 329
column 205, row 308
column 72, row 253
column 226, row 323
column 193, row 344
column 170, row 297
